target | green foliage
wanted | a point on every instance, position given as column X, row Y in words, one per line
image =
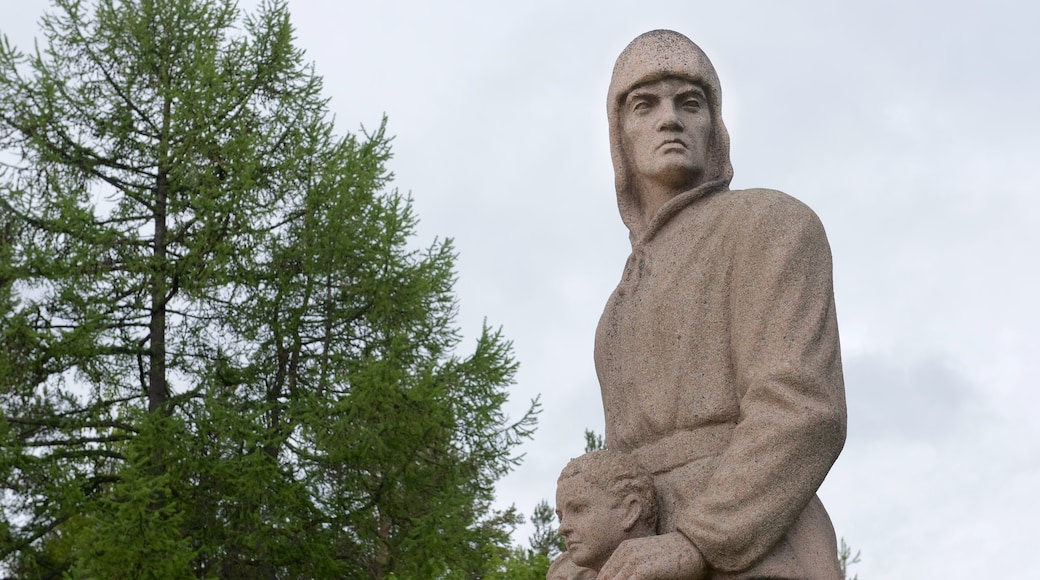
column 846, row 558
column 519, row 564
column 593, row 442
column 546, row 540
column 220, row 358
column 134, row 529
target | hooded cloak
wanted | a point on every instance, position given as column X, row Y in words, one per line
column 651, row 57
column 718, row 355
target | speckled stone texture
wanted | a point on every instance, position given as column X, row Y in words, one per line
column 602, row 499
column 718, row 354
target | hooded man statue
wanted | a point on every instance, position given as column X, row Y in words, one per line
column 717, row 354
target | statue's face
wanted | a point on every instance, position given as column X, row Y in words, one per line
column 665, row 128
column 592, row 522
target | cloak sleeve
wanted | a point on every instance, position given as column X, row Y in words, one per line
column 787, row 365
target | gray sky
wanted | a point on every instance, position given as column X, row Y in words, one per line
column 911, row 130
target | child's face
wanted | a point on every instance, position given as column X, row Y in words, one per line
column 590, row 523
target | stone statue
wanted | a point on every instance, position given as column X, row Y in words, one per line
column 602, row 499
column 717, row 354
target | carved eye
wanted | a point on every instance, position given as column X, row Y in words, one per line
column 691, row 104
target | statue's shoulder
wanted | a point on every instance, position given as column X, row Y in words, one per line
column 766, row 205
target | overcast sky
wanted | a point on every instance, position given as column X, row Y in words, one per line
column 914, row 133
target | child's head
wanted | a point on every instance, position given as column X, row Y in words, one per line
column 602, row 499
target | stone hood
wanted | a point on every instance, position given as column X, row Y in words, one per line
column 652, row 56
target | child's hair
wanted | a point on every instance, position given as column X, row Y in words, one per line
column 620, row 475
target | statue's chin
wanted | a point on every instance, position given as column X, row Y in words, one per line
column 675, row 177
column 580, row 558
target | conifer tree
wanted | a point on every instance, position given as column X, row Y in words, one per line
column 220, row 357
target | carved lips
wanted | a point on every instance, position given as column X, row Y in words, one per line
column 671, row 143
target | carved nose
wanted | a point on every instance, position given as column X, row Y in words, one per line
column 670, row 118
column 565, row 530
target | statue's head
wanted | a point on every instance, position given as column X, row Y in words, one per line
column 602, row 499
column 665, row 117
